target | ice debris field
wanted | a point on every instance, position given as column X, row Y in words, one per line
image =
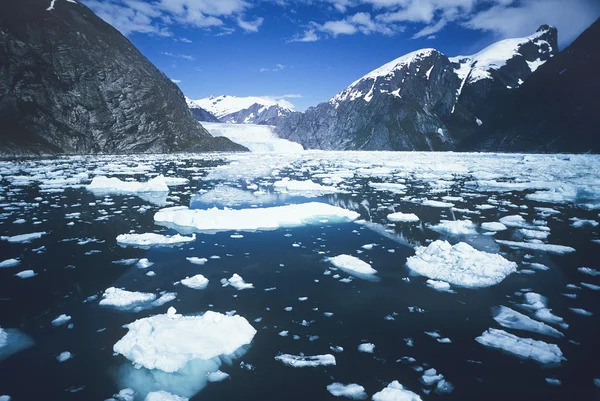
column 300, row 276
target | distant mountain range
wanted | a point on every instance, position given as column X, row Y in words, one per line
column 71, row 83
column 423, row 100
column 239, row 110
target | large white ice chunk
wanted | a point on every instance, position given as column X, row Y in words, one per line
column 10, row 263
column 254, row 218
column 237, row 282
column 460, row 264
column 147, row 240
column 400, row 217
column 23, row 238
column 119, row 298
column 169, row 341
column 293, row 186
column 197, row 282
column 512, row 319
column 301, row 361
column 523, row 347
column 395, row 392
column 352, row 265
column 455, row 227
column 114, row 185
column 353, row 391
column 164, row 396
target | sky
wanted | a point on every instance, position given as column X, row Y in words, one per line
column 303, row 52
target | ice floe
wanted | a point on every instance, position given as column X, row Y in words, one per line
column 538, row 303
column 439, row 285
column 197, row 261
column 306, row 187
column 64, row 356
column 400, row 217
column 197, row 282
column 10, row 263
column 396, row 392
column 169, row 341
column 164, row 396
column 434, row 203
column 512, row 319
column 388, row 186
column 114, row 185
column 147, row 240
column 254, row 218
column 23, row 238
column 535, row 246
column 13, row 341
column 353, row 391
column 539, row 351
column 460, row 264
column 237, row 282
column 455, row 227
column 26, row 274
column 61, row 319
column 353, row 265
column 302, row 361
column 217, row 376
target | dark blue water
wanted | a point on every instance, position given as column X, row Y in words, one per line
column 68, row 273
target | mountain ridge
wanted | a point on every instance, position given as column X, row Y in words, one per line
column 243, row 110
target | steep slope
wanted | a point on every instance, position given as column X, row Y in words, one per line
column 420, row 101
column 199, row 113
column 71, row 83
column 555, row 110
column 243, row 110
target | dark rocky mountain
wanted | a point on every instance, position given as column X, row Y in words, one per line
column 202, row 115
column 421, row 101
column 71, row 83
column 555, row 110
column 242, row 110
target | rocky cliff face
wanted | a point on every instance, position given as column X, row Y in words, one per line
column 556, row 108
column 71, row 83
column 421, row 101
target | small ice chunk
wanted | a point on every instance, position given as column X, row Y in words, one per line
column 512, row 319
column 493, row 226
column 237, row 282
column 147, row 240
column 197, row 282
column 352, row 265
column 123, row 299
column 590, row 286
column 460, row 264
column 551, row 248
column 438, row 285
column 10, row 263
column 23, row 238
column 368, row 348
column 553, row 382
column 395, row 392
column 581, row 312
column 26, row 274
column 105, row 185
column 523, row 347
column 301, row 361
column 163, row 396
column 589, row 271
column 143, row 263
column 197, row 261
column 352, row 391
column 455, row 227
column 217, row 376
column 64, row 356
column 434, row 203
column 430, row 377
column 400, row 217
column 61, row 319
column 284, row 333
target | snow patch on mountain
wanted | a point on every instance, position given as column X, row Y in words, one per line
column 243, row 110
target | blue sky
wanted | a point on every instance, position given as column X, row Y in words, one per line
column 306, row 51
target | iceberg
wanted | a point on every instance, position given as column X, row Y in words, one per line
column 352, row 265
column 523, row 347
column 512, row 319
column 169, row 341
column 301, row 361
column 237, row 282
column 400, row 217
column 352, row 391
column 147, row 240
column 460, row 264
column 395, row 392
column 269, row 218
column 197, row 282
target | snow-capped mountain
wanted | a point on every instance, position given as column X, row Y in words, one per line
column 422, row 100
column 243, row 110
column 556, row 108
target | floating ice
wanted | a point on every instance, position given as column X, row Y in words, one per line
column 197, row 261
column 23, row 238
column 26, row 274
column 164, row 396
column 395, row 392
column 10, row 263
column 581, row 312
column 197, row 282
column 523, row 347
column 551, row 248
column 460, row 264
column 169, row 341
column 147, row 240
column 217, row 376
column 123, row 299
column 61, row 319
column 434, row 203
column 512, row 319
column 430, row 377
column 400, row 217
column 387, row 186
column 493, row 226
column 352, row 265
column 438, row 285
column 368, row 348
column 237, row 282
column 538, row 303
column 455, row 227
column 301, row 361
column 64, row 356
column 114, row 185
column 13, row 341
column 353, row 391
column 254, row 218
column 589, row 271
column 143, row 263
column 176, row 181
column 287, row 185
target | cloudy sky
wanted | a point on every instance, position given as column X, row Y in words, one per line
column 306, row 51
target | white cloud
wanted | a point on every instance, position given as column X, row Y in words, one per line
column 308, row 36
column 359, row 22
column 250, row 26
column 338, row 28
column 431, row 29
column 278, row 67
column 183, row 56
column 176, row 81
column 185, row 40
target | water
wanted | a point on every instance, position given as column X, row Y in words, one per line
column 293, row 261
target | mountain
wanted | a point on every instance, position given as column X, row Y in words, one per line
column 199, row 113
column 556, row 108
column 243, row 110
column 71, row 83
column 423, row 100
